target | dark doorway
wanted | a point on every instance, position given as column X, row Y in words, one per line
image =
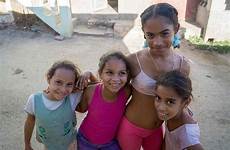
column 227, row 2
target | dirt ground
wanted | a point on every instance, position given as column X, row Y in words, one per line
column 25, row 56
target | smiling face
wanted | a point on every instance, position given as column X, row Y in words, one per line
column 159, row 33
column 114, row 75
column 61, row 84
column 168, row 103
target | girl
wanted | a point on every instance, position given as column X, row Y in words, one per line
column 140, row 126
column 105, row 103
column 53, row 110
column 173, row 94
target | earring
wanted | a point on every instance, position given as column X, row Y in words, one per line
column 146, row 45
column 176, row 41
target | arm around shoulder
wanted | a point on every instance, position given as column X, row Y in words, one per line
column 86, row 79
column 85, row 99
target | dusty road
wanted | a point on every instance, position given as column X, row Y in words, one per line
column 25, row 57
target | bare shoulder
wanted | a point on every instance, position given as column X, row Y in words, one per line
column 184, row 65
column 187, row 118
column 89, row 91
column 132, row 59
column 128, row 90
column 86, row 98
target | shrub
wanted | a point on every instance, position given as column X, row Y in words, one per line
column 222, row 47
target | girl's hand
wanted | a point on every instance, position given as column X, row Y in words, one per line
column 83, row 80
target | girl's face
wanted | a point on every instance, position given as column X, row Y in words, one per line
column 159, row 33
column 114, row 75
column 61, row 84
column 168, row 103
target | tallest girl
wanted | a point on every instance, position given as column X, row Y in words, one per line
column 140, row 127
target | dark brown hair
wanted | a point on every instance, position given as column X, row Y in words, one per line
column 113, row 54
column 177, row 81
column 160, row 9
column 66, row 65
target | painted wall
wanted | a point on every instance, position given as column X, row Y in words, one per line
column 186, row 8
column 180, row 5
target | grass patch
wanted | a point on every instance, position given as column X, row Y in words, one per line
column 222, row 47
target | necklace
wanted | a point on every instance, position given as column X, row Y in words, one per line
column 155, row 63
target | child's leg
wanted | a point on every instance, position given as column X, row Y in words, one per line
column 83, row 144
column 128, row 137
column 153, row 141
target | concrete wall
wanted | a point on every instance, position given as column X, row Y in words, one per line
column 218, row 22
column 137, row 6
column 186, row 8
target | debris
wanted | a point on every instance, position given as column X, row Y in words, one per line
column 3, row 26
column 59, row 37
column 18, row 71
column 208, row 76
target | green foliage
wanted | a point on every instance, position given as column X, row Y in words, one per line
column 222, row 47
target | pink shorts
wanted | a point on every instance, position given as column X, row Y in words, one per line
column 131, row 137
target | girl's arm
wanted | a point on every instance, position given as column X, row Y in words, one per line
column 85, row 99
column 28, row 130
column 83, row 105
column 195, row 147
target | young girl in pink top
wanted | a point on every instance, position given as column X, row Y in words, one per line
column 173, row 94
column 105, row 103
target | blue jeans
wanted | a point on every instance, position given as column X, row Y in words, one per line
column 84, row 144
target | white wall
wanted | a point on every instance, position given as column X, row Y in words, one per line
column 218, row 26
column 87, row 6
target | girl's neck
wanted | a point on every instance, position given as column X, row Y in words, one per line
column 49, row 96
column 107, row 95
column 163, row 55
column 177, row 121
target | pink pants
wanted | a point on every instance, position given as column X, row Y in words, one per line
column 131, row 137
